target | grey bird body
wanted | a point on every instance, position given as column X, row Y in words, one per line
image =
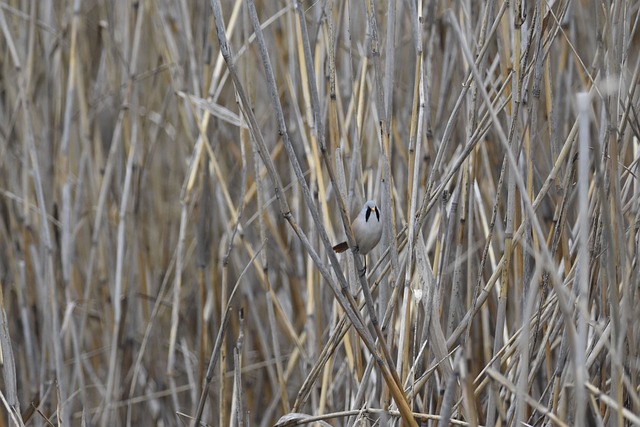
column 367, row 229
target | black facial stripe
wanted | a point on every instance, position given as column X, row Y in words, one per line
column 368, row 214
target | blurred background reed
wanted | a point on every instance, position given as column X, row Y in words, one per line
column 168, row 208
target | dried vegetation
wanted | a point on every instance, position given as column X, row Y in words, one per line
column 174, row 173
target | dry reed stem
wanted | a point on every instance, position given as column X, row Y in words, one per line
column 173, row 176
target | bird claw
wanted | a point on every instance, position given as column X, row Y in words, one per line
column 362, row 271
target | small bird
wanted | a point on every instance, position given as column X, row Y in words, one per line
column 367, row 229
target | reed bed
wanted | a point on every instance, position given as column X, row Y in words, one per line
column 173, row 175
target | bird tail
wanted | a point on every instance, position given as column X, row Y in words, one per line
column 341, row 247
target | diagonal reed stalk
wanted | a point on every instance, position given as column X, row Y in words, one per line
column 173, row 176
